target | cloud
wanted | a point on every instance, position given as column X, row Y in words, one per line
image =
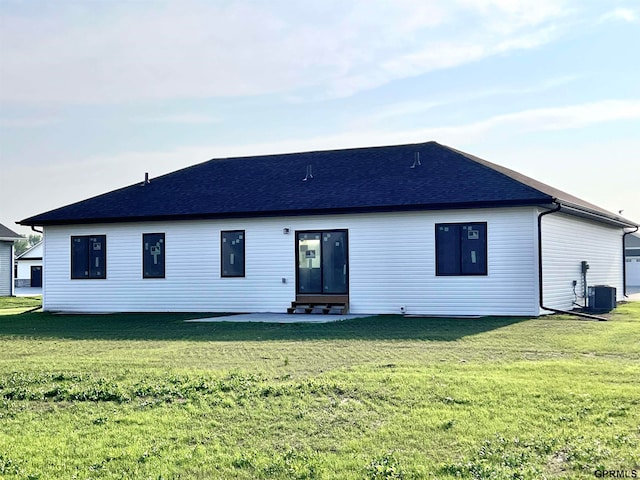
column 402, row 109
column 525, row 121
column 117, row 52
column 621, row 13
column 568, row 117
column 180, row 118
column 28, row 122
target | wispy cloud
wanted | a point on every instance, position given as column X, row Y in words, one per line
column 514, row 123
column 28, row 122
column 402, row 109
column 569, row 117
column 625, row 14
column 119, row 52
column 185, row 118
column 526, row 121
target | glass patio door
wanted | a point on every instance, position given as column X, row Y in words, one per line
column 322, row 262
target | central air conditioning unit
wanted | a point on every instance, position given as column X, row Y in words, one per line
column 601, row 298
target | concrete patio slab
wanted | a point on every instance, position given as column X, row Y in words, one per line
column 633, row 294
column 278, row 318
column 27, row 291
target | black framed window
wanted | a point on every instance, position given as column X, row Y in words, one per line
column 153, row 255
column 461, row 248
column 89, row 256
column 232, row 253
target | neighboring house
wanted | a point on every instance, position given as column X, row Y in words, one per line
column 29, row 267
column 7, row 237
column 632, row 252
column 421, row 228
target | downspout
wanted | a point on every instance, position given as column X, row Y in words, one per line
column 624, row 263
column 12, row 266
column 540, row 281
column 36, row 230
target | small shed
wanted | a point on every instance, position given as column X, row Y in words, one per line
column 29, row 267
column 7, row 237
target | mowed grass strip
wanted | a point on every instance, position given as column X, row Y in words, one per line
column 13, row 305
column 150, row 396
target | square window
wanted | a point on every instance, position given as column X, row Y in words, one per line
column 89, row 257
column 461, row 249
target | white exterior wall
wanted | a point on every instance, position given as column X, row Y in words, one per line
column 566, row 241
column 391, row 264
column 26, row 261
column 24, row 268
column 6, row 268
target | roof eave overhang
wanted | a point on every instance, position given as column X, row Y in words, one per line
column 579, row 211
column 34, row 221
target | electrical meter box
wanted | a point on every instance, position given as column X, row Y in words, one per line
column 601, row 298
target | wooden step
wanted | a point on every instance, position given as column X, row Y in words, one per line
column 320, row 308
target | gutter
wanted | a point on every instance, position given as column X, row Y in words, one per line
column 624, row 263
column 540, row 281
column 595, row 215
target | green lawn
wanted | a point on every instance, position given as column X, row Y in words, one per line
column 149, row 396
column 13, row 305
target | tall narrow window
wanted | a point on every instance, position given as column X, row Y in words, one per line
column 153, row 255
column 89, row 256
column 232, row 252
column 461, row 248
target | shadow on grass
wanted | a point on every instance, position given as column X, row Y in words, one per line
column 171, row 326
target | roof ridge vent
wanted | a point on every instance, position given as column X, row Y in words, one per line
column 416, row 160
column 309, row 174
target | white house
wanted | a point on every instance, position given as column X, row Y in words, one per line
column 7, row 237
column 632, row 250
column 29, row 267
column 420, row 229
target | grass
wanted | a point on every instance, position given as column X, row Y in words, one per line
column 13, row 305
column 152, row 397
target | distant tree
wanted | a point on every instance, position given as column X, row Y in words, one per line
column 20, row 246
column 34, row 239
column 25, row 244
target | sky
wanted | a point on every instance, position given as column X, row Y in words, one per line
column 95, row 93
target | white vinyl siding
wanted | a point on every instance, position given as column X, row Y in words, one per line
column 566, row 242
column 24, row 268
column 391, row 265
column 6, row 268
column 31, row 258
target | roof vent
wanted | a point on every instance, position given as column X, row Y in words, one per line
column 146, row 179
column 309, row 174
column 416, row 160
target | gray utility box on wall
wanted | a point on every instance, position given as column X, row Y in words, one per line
column 602, row 298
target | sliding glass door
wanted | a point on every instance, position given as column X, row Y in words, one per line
column 322, row 258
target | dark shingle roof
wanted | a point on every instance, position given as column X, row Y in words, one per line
column 351, row 180
column 8, row 233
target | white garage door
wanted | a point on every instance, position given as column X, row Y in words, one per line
column 633, row 272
